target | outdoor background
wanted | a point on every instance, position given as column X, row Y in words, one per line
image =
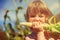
column 53, row 5
column 12, row 12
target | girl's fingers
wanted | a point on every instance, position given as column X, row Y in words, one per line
column 36, row 25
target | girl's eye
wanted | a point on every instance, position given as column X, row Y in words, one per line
column 32, row 16
column 40, row 16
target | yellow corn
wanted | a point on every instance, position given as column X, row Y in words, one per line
column 29, row 24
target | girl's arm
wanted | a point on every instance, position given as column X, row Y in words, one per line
column 40, row 36
column 27, row 38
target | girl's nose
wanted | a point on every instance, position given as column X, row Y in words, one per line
column 37, row 19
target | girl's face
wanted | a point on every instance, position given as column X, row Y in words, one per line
column 41, row 18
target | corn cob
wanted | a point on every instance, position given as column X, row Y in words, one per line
column 29, row 24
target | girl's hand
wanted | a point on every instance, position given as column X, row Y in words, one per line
column 36, row 26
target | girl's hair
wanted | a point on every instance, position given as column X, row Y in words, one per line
column 37, row 7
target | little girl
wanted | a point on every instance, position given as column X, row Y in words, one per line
column 38, row 13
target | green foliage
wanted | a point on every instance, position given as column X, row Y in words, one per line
column 54, row 27
column 9, row 30
column 26, row 0
column 20, row 0
column 17, row 38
